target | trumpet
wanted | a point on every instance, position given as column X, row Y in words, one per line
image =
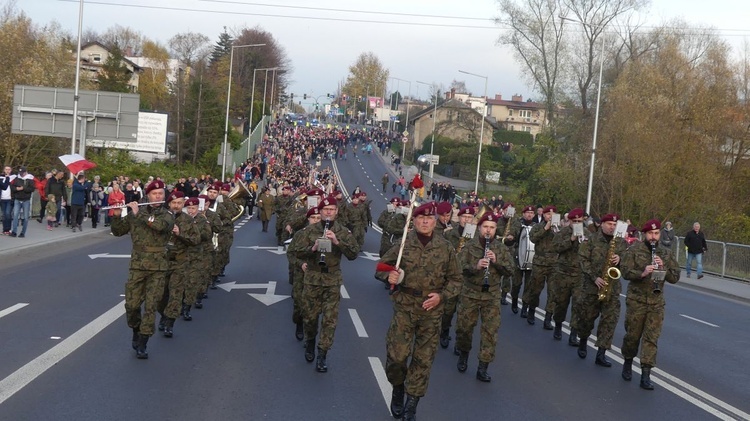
column 124, row 205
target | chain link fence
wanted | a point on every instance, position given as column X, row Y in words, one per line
column 728, row 260
column 248, row 147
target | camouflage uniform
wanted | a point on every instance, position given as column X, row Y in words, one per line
column 226, row 210
column 322, row 285
column 200, row 258
column 281, row 208
column 150, row 230
column 449, row 306
column 427, row 269
column 395, row 229
column 211, row 255
column 385, row 238
column 592, row 254
column 644, row 310
column 297, row 279
column 357, row 221
column 473, row 301
column 179, row 265
column 567, row 284
column 507, row 280
column 519, row 276
column 442, row 230
column 543, row 269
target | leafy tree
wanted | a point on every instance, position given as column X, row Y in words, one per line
column 366, row 76
column 152, row 83
column 114, row 76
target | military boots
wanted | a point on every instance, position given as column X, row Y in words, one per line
column 320, row 365
column 410, row 408
column 573, row 339
column 445, row 338
column 482, row 374
column 514, row 305
column 162, row 323
column 531, row 315
column 140, row 352
column 199, row 300
column 214, row 281
column 601, row 358
column 299, row 332
column 310, row 350
column 168, row 328
column 646, row 378
column 397, row 401
column 627, row 369
column 136, row 338
column 583, row 347
column 463, row 360
column 557, row 334
column 186, row 316
column 524, row 311
column 504, row 300
column 548, row 321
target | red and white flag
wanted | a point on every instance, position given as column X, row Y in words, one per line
column 76, row 163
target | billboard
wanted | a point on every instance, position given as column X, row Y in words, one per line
column 151, row 135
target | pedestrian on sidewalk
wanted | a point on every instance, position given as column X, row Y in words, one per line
column 77, row 202
column 695, row 242
column 6, row 202
column 21, row 189
column 51, row 211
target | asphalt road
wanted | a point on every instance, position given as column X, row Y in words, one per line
column 66, row 354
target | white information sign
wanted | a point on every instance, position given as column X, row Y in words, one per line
column 152, row 135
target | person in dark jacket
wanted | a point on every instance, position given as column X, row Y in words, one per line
column 695, row 242
column 667, row 236
column 77, row 202
column 21, row 189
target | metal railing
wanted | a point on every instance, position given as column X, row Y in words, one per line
column 239, row 155
column 728, row 260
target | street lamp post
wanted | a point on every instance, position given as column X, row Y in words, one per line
column 596, row 117
column 481, row 131
column 252, row 103
column 226, row 121
column 434, row 120
column 406, row 125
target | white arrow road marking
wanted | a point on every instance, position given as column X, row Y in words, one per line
column 109, row 256
column 36, row 367
column 382, row 379
column 228, row 286
column 275, row 250
column 344, row 293
column 12, row 308
column 699, row 320
column 268, row 299
column 370, row 256
column 358, row 325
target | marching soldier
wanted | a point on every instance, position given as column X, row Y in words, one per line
column 386, row 240
column 417, row 309
column 367, row 204
column 323, row 279
column 568, row 283
column 357, row 218
column 299, row 268
column 543, row 268
column 483, row 261
column 229, row 211
column 281, row 208
column 643, row 264
column 185, row 235
column 465, row 216
column 520, row 275
column 149, row 230
column 200, row 257
column 593, row 255
column 444, row 212
column 503, row 225
column 266, row 205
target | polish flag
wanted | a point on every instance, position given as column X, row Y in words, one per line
column 76, row 163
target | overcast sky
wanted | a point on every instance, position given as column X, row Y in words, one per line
column 321, row 44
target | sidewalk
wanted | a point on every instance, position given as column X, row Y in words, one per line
column 38, row 236
column 409, row 172
column 714, row 284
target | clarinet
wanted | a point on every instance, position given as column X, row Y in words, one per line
column 322, row 260
column 654, row 283
column 486, row 281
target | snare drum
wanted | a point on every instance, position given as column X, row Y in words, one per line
column 525, row 249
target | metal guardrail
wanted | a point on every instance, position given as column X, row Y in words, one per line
column 728, row 260
column 239, row 156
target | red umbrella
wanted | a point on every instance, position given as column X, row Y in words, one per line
column 76, row 163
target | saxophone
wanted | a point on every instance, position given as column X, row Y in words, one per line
column 609, row 273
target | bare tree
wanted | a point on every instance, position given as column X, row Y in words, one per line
column 536, row 36
column 189, row 47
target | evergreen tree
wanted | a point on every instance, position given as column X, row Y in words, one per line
column 114, row 76
column 222, row 48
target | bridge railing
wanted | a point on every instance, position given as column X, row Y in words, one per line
column 728, row 260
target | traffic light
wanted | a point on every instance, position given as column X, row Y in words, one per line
column 292, row 96
column 304, row 96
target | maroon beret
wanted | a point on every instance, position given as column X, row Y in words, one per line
column 396, row 201
column 313, row 211
column 156, row 184
column 550, row 208
column 193, row 201
column 507, row 205
column 466, row 211
column 652, row 224
column 443, row 208
column 328, row 201
column 404, row 203
column 610, row 217
column 204, row 197
column 215, row 186
column 575, row 213
column 175, row 195
column 489, row 216
column 315, row 192
column 226, row 187
column 428, row 209
column 529, row 209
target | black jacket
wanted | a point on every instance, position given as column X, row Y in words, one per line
column 25, row 193
column 695, row 243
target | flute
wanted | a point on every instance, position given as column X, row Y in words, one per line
column 125, row 205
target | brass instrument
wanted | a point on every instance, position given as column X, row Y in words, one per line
column 462, row 242
column 486, row 281
column 609, row 273
column 510, row 214
column 322, row 246
column 238, row 195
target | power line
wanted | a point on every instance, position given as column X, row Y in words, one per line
column 226, row 12
column 347, row 10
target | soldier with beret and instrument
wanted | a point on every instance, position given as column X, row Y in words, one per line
column 200, row 257
column 427, row 276
column 568, row 273
column 646, row 265
column 444, row 211
column 465, row 216
column 483, row 261
column 507, row 212
column 299, row 268
column 545, row 259
column 386, row 239
column 522, row 273
column 149, row 229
